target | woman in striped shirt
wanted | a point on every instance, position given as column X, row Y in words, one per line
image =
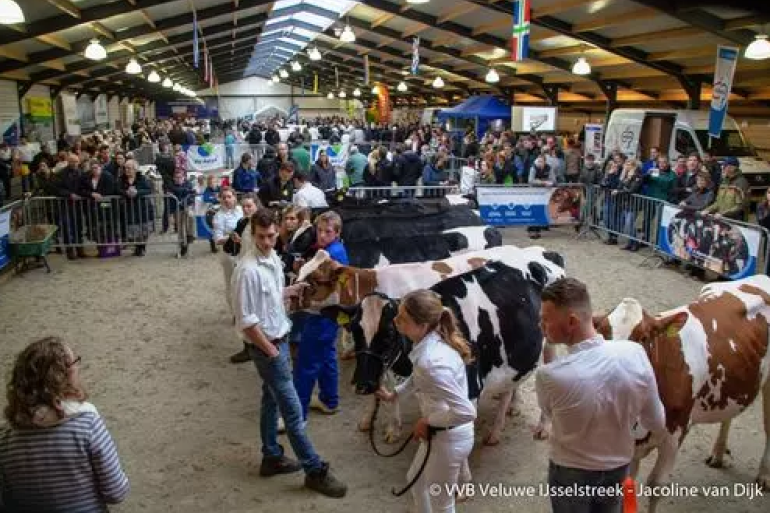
column 56, row 454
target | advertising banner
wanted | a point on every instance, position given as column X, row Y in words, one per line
column 101, row 112
column 5, row 234
column 208, row 157
column 594, row 137
column 69, row 109
column 39, row 109
column 711, row 243
column 529, row 206
column 338, row 153
column 727, row 58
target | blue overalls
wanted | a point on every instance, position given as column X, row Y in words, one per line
column 317, row 355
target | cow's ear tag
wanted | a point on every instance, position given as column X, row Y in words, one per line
column 343, row 319
column 672, row 330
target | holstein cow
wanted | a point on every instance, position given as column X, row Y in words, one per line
column 331, row 284
column 497, row 307
column 711, row 361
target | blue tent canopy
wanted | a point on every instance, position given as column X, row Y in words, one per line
column 484, row 107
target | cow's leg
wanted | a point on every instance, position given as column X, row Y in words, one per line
column 393, row 433
column 716, row 460
column 493, row 438
column 365, row 424
column 664, row 464
column 763, row 477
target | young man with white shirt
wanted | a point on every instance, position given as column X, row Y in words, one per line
column 258, row 301
column 594, row 397
column 307, row 195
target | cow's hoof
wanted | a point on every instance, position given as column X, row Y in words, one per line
column 392, row 436
column 714, row 462
column 491, row 440
column 365, row 425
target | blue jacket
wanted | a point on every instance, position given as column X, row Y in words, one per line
column 211, row 195
column 338, row 252
column 245, row 180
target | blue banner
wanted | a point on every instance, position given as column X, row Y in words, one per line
column 5, row 235
column 711, row 243
column 727, row 57
column 529, row 206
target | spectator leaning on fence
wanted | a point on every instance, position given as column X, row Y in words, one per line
column 356, row 166
column 323, row 174
column 56, row 454
column 733, row 195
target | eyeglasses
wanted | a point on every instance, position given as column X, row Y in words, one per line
column 74, row 362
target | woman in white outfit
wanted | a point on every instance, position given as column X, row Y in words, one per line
column 225, row 221
column 439, row 356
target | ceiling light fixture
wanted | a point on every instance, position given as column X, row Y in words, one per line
column 357, row 92
column 133, row 67
column 376, row 90
column 330, row 95
column 343, row 94
column 95, row 51
column 168, row 83
column 581, row 67
column 402, row 87
column 759, row 49
column 283, row 73
column 417, row 1
column 438, row 83
column 153, row 77
column 177, row 87
column 347, row 36
column 10, row 13
column 314, row 54
column 296, row 66
column 492, row 77
column 274, row 79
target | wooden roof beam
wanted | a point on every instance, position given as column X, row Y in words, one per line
column 382, row 20
column 600, row 22
column 67, row 7
column 558, row 7
column 413, row 30
column 56, row 41
column 498, row 24
column 456, row 12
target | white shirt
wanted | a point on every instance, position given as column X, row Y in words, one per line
column 594, row 396
column 310, row 196
column 440, row 382
column 257, row 288
column 225, row 221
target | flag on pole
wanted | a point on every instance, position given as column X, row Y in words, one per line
column 315, row 83
column 366, row 69
column 195, row 39
column 520, row 38
column 727, row 57
column 415, row 55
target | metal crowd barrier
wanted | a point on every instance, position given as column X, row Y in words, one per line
column 114, row 222
column 704, row 241
column 415, row 191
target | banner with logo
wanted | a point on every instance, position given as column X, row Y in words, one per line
column 708, row 242
column 727, row 57
column 5, row 234
column 208, row 157
column 338, row 153
column 39, row 109
column 69, row 107
column 100, row 111
column 594, row 137
column 529, row 206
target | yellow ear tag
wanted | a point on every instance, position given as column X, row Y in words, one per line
column 672, row 331
column 343, row 319
column 343, row 279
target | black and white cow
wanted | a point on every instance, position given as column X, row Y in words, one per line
column 498, row 310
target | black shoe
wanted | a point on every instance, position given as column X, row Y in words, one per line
column 71, row 254
column 323, row 481
column 279, row 465
column 213, row 246
column 81, row 253
column 240, row 357
column 183, row 251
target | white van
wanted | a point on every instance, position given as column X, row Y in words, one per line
column 680, row 132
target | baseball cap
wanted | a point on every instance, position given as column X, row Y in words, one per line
column 731, row 161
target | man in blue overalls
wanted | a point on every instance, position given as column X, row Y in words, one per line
column 317, row 355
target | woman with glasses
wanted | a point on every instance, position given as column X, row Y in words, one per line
column 55, row 453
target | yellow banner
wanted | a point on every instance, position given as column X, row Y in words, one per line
column 39, row 108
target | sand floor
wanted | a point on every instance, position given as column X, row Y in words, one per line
column 154, row 336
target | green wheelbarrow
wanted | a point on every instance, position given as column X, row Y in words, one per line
column 31, row 241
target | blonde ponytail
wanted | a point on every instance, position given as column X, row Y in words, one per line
column 450, row 333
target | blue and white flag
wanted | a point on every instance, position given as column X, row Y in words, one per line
column 415, row 55
column 195, row 39
column 727, row 57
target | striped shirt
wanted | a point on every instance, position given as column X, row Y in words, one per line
column 72, row 467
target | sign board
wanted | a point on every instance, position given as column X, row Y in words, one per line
column 5, row 235
column 208, row 157
column 69, row 109
column 533, row 119
column 594, row 134
column 529, row 206
column 711, row 243
column 39, row 109
column 624, row 136
column 338, row 153
column 101, row 112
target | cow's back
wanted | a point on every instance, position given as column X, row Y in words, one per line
column 498, row 309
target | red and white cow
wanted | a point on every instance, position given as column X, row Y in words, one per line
column 332, row 284
column 711, row 361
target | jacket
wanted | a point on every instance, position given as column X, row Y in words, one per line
column 268, row 166
column 69, row 182
column 185, row 195
column 732, row 197
column 408, row 168
column 537, row 175
column 661, row 186
column 685, row 185
column 165, row 165
column 355, row 168
column 699, row 199
column 590, row 175
column 274, row 191
column 139, row 208
column 324, row 178
column 245, row 180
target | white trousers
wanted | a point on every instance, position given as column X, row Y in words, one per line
column 448, row 462
column 228, row 266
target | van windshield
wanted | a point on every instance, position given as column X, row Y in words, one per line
column 731, row 144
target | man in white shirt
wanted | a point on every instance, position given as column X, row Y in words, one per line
column 258, row 303
column 307, row 195
column 594, row 397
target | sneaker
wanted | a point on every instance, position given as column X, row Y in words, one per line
column 241, row 356
column 280, row 465
column 323, row 481
column 318, row 405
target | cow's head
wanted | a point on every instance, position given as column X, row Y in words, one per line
column 331, row 283
column 629, row 321
column 379, row 346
